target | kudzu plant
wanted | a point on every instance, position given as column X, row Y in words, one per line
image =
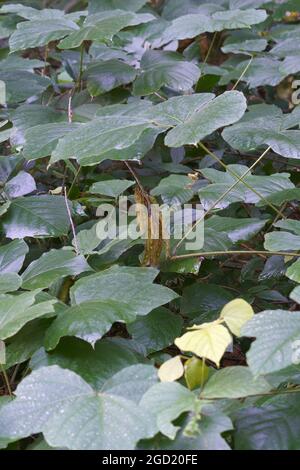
column 185, row 108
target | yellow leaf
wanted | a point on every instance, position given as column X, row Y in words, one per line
column 171, row 370
column 235, row 314
column 195, row 372
column 210, row 341
column 204, row 325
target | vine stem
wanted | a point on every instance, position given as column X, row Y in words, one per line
column 74, row 180
column 137, row 180
column 243, row 73
column 235, row 252
column 268, row 203
column 209, row 51
column 221, row 198
column 71, row 222
column 6, row 380
column 263, row 394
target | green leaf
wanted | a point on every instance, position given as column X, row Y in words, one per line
column 273, row 426
column 26, row 342
column 204, row 301
column 38, row 33
column 277, row 241
column 21, row 84
column 132, row 382
column 160, row 68
column 89, row 321
column 28, row 116
column 68, row 411
column 243, row 41
column 102, row 26
column 222, row 181
column 15, row 62
column 206, row 433
column 178, row 109
column 52, row 266
column 41, row 140
column 106, row 75
column 3, row 441
column 221, row 111
column 98, row 137
column 128, row 285
column 130, row 5
column 157, row 330
column 238, row 229
column 16, row 311
column 12, row 256
column 196, row 372
column 261, row 72
column 31, row 13
column 289, row 224
column 276, row 333
column 293, row 271
column 174, row 189
column 165, row 402
column 5, row 135
column 234, row 382
column 286, row 195
column 111, row 188
column 191, row 25
column 36, row 216
column 95, row 365
column 20, row 185
column 265, row 125
column 9, row 282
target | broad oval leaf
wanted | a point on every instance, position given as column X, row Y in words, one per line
column 235, row 314
column 74, row 413
column 209, row 340
column 221, row 111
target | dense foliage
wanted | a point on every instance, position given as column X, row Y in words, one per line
column 123, row 343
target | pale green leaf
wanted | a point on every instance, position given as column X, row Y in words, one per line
column 235, row 314
column 171, row 370
column 209, row 340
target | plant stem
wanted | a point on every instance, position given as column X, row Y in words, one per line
column 6, row 380
column 136, row 178
column 263, row 394
column 215, row 204
column 209, row 51
column 268, row 203
column 71, row 222
column 74, row 180
column 243, row 73
column 235, row 252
